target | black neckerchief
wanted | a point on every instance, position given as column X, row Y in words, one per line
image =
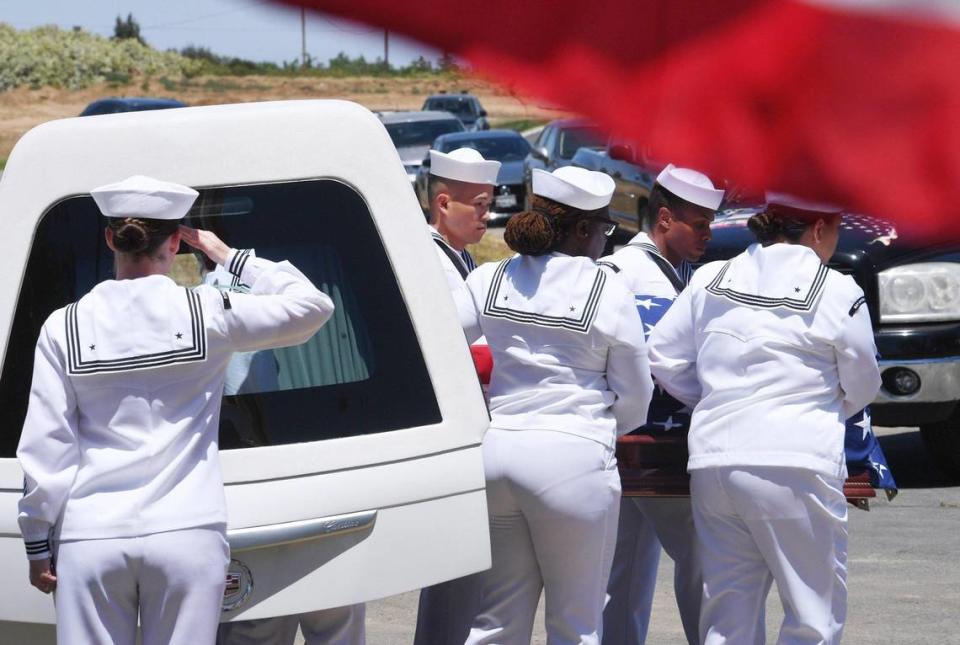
column 663, row 264
column 454, row 257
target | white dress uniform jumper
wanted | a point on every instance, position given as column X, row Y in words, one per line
column 648, row 523
column 570, row 374
column 774, row 351
column 119, row 446
column 446, row 609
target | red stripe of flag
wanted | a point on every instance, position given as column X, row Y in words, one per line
column 851, row 107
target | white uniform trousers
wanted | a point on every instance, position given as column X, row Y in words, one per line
column 759, row 524
column 553, row 500
column 338, row 626
column 173, row 580
column 446, row 611
column 645, row 524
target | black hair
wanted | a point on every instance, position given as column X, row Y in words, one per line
column 659, row 198
column 546, row 226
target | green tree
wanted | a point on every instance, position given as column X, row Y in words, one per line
column 127, row 29
column 421, row 64
column 447, row 63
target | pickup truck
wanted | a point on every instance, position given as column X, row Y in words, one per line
column 355, row 472
column 633, row 175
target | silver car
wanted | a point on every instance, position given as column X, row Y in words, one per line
column 413, row 132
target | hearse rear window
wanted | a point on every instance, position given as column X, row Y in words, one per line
column 361, row 373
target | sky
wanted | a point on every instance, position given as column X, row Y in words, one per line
column 258, row 30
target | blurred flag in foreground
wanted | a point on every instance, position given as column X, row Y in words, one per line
column 854, row 102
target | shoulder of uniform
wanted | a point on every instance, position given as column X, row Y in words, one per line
column 842, row 284
column 609, row 265
column 615, row 287
column 706, row 273
column 845, row 291
column 210, row 296
column 485, row 270
column 54, row 323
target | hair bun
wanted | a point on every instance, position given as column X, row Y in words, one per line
column 766, row 227
column 530, row 233
column 131, row 236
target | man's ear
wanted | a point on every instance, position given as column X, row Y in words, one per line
column 664, row 217
column 443, row 202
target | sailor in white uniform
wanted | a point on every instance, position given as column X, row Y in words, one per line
column 655, row 266
column 460, row 188
column 773, row 351
column 569, row 375
column 119, row 446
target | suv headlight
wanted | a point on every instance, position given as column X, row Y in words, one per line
column 925, row 292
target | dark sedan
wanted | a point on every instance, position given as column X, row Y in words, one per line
column 113, row 105
column 506, row 146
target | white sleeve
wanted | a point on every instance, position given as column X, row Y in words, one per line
column 49, row 453
column 282, row 309
column 628, row 369
column 856, row 355
column 673, row 351
column 468, row 309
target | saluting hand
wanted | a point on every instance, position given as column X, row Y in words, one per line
column 42, row 575
column 206, row 242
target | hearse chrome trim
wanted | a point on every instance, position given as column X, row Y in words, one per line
column 261, row 537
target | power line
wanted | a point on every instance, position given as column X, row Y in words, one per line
column 186, row 21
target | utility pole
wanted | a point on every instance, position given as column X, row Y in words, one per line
column 303, row 37
column 386, row 48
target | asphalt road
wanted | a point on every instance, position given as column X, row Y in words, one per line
column 904, row 567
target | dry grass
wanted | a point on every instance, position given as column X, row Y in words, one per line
column 490, row 249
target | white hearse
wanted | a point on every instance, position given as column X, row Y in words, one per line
column 354, row 471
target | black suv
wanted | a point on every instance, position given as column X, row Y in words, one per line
column 465, row 107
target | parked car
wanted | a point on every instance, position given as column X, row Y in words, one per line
column 465, row 107
column 355, row 473
column 913, row 294
column 633, row 175
column 413, row 132
column 116, row 104
column 556, row 144
column 506, row 146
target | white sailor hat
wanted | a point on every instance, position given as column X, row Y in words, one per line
column 464, row 164
column 690, row 185
column 144, row 197
column 577, row 187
